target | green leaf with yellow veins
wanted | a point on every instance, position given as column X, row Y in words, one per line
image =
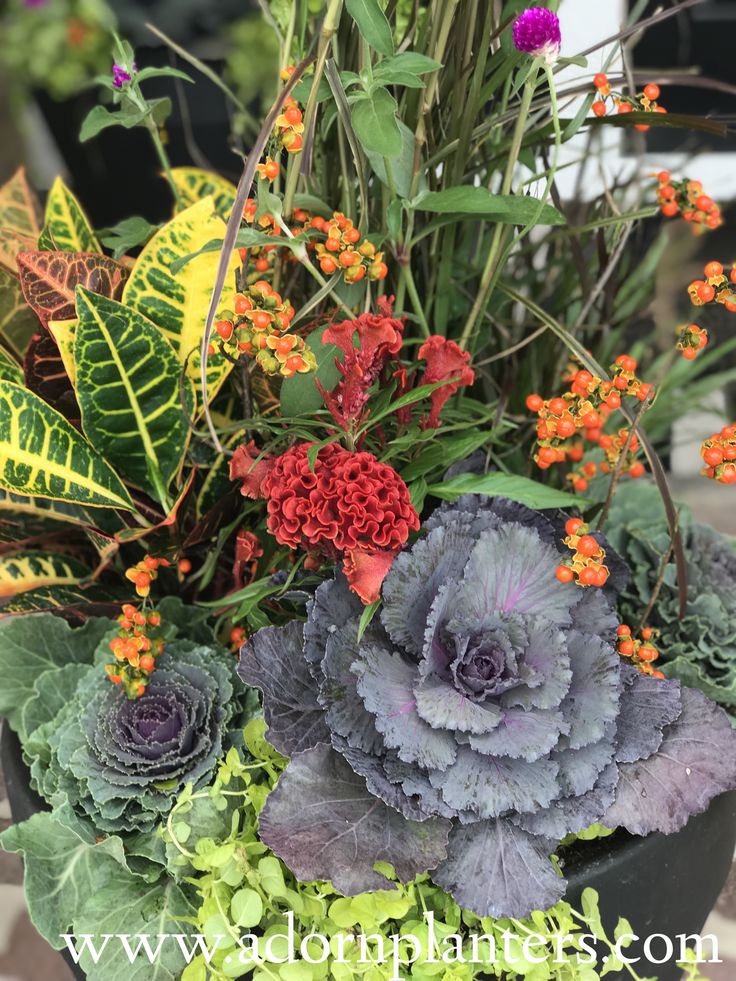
column 43, row 455
column 193, row 184
column 177, row 303
column 67, row 223
column 18, row 323
column 128, row 389
column 19, row 225
column 24, row 571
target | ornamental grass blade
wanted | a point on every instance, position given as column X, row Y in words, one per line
column 231, row 233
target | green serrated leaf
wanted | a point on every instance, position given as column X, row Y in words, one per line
column 128, row 386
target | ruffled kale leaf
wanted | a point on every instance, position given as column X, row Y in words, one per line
column 488, row 701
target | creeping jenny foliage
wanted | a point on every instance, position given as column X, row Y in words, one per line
column 700, row 648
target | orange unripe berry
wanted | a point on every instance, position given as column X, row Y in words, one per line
column 116, row 679
column 713, row 269
column 242, row 304
column 588, row 576
column 647, row 653
column 713, row 456
column 534, row 402
column 261, row 264
column 706, row 292
column 351, row 235
column 664, row 177
column 636, row 470
column 293, row 115
column 564, row 573
column 651, row 91
column 327, row 265
column 588, row 546
column 261, row 320
column 625, row 107
column 573, row 524
column 703, row 202
column 623, row 630
column 333, row 244
column 600, row 80
column 547, row 455
column 626, row 362
column 348, row 258
column 146, row 663
column 667, row 192
column 580, row 485
column 225, row 329
column 142, row 580
column 647, row 633
column 626, row 648
column 185, row 566
column 599, row 108
column 669, row 209
column 557, row 406
column 728, row 476
column 379, row 271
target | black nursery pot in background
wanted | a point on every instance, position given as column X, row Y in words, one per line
column 662, row 884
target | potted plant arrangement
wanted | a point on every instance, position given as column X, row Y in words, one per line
column 329, row 645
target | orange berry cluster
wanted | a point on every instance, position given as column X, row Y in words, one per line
column 144, row 573
column 641, row 652
column 614, row 446
column 259, row 327
column 289, row 126
column 344, row 248
column 719, row 455
column 715, row 288
column 269, row 170
column 686, row 198
column 238, row 637
column 644, row 101
column 583, row 411
column 586, row 566
column 691, row 340
column 134, row 650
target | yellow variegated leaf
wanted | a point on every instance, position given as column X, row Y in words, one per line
column 19, row 224
column 10, row 370
column 62, row 332
column 43, row 455
column 18, row 323
column 31, row 509
column 66, row 223
column 178, row 304
column 24, row 571
column 194, row 184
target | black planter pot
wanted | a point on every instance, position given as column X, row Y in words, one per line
column 662, row 884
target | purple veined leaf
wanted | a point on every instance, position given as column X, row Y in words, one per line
column 496, row 869
column 523, row 733
column 571, row 815
column 325, row 824
column 695, row 763
column 272, row 661
column 647, row 706
column 439, row 704
column 591, row 703
column 579, row 769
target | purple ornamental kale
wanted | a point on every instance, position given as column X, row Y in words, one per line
column 484, row 718
column 537, row 32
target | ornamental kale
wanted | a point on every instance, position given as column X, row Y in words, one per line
column 700, row 648
column 484, row 718
column 118, row 762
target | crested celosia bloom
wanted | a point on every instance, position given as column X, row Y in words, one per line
column 379, row 340
column 445, row 361
column 344, row 505
column 537, row 32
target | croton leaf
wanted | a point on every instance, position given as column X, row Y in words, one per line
column 496, row 869
column 63, row 332
column 695, row 763
column 49, row 280
column 194, row 184
column 325, row 824
column 10, row 370
column 177, row 303
column 43, row 455
column 41, row 508
column 128, row 386
column 67, row 223
column 273, row 662
column 18, row 323
column 93, row 599
column 19, row 223
column 45, row 374
column 28, row 570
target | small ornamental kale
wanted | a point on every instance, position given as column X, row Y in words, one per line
column 118, row 762
column 484, row 718
column 700, row 648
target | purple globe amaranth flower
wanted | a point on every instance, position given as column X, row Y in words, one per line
column 537, row 32
column 121, row 75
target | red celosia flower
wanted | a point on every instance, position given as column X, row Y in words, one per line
column 380, row 338
column 349, row 505
column 445, row 360
column 246, row 466
column 248, row 550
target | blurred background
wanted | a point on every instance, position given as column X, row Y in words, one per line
column 51, row 51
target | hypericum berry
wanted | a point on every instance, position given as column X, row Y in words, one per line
column 599, row 108
column 651, row 91
column 564, row 573
column 534, row 402
column 588, row 546
column 600, row 80
column 572, row 525
column 719, row 455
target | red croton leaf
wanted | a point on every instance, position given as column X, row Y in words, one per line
column 46, row 376
column 49, row 279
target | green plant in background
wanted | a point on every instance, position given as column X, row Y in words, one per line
column 54, row 45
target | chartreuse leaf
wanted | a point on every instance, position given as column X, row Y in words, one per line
column 43, row 455
column 62, row 332
column 67, row 223
column 177, row 303
column 471, row 200
column 29, row 570
column 19, row 224
column 521, row 489
column 18, row 323
column 194, row 184
column 128, row 388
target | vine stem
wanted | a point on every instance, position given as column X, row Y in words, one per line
column 489, row 271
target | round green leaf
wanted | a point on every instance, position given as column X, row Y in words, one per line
column 246, row 908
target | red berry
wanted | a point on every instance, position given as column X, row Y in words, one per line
column 572, row 525
column 147, row 663
column 564, row 573
column 651, row 91
column 703, row 203
column 626, row 647
column 534, row 402
column 600, row 80
column 588, row 546
column 557, row 406
column 599, row 108
column 669, row 209
column 664, row 177
column 706, row 292
column 713, row 456
column 623, row 630
column 625, row 107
